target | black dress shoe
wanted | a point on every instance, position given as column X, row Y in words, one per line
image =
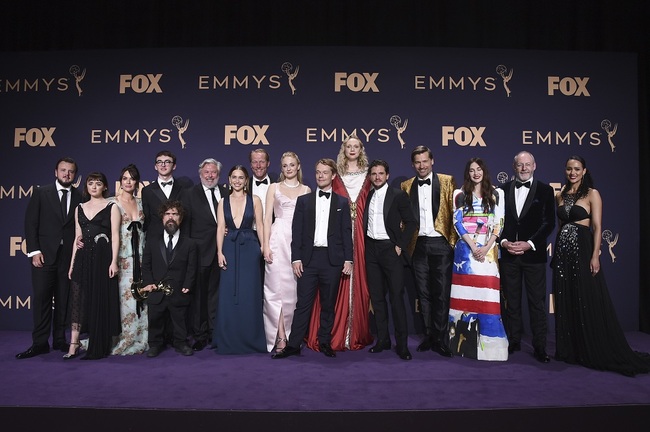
column 541, row 356
column 425, row 345
column 33, row 351
column 442, row 350
column 515, row 346
column 286, row 352
column 327, row 350
column 199, row 345
column 404, row 354
column 184, row 349
column 154, row 351
column 379, row 347
column 62, row 346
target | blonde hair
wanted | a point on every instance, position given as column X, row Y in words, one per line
column 342, row 161
column 291, row 155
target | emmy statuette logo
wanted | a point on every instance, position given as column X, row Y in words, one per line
column 177, row 121
column 606, row 125
column 400, row 127
column 611, row 240
column 502, row 70
column 78, row 75
column 287, row 68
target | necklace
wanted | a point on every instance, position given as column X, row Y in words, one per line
column 290, row 186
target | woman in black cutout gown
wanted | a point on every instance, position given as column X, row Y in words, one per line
column 586, row 327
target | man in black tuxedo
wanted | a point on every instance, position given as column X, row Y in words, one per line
column 387, row 211
column 433, row 247
column 200, row 203
column 49, row 230
column 529, row 220
column 321, row 249
column 173, row 259
column 166, row 187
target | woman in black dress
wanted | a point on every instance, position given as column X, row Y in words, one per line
column 586, row 327
column 94, row 292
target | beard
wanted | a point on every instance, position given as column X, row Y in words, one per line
column 171, row 227
column 65, row 184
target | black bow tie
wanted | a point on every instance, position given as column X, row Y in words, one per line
column 520, row 184
column 168, row 183
column 259, row 182
column 325, row 194
column 423, row 182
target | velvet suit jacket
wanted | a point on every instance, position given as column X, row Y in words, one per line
column 199, row 222
column 180, row 272
column 45, row 226
column 536, row 222
column 339, row 229
column 399, row 220
column 442, row 206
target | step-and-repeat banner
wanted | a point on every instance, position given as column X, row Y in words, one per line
column 107, row 109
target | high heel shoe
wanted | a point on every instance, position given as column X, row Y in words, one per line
column 278, row 347
column 68, row 356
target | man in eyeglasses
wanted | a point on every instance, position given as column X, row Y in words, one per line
column 165, row 188
column 156, row 193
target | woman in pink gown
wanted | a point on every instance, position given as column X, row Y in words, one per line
column 279, row 281
column 351, row 327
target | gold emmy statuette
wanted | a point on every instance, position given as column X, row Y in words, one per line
column 140, row 295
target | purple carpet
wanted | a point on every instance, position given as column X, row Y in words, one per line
column 354, row 381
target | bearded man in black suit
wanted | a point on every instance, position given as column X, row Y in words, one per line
column 171, row 259
column 49, row 230
column 389, row 225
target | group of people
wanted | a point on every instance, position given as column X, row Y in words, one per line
column 259, row 265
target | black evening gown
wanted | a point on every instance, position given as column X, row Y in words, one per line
column 586, row 327
column 94, row 298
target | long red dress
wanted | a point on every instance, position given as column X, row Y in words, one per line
column 351, row 328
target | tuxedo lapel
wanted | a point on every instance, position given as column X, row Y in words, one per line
column 163, row 250
column 511, row 205
column 388, row 203
column 414, row 196
column 365, row 213
column 156, row 189
column 529, row 199
column 332, row 221
column 55, row 201
column 435, row 195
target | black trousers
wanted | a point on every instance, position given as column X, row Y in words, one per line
column 385, row 272
column 48, row 282
column 432, row 269
column 322, row 277
column 203, row 308
column 515, row 274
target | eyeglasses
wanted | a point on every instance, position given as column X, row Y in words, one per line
column 164, row 162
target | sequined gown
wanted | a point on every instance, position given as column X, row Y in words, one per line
column 239, row 324
column 133, row 339
column 280, row 283
column 351, row 320
column 94, row 296
column 587, row 331
column 476, row 328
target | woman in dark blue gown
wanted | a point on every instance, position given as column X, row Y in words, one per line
column 239, row 325
column 586, row 327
